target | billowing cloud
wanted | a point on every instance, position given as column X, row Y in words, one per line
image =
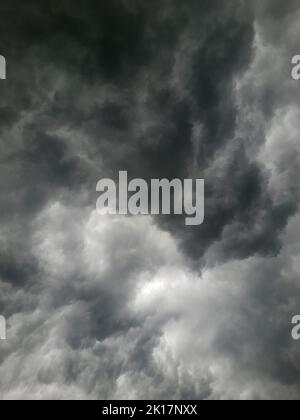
column 141, row 307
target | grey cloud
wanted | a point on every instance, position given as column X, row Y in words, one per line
column 142, row 308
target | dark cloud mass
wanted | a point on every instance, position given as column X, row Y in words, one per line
column 123, row 307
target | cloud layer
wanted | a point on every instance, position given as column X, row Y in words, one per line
column 139, row 307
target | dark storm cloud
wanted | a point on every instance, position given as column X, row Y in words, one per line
column 100, row 308
column 133, row 47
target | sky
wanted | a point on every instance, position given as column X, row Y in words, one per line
column 145, row 307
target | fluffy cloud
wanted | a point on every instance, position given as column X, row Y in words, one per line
column 122, row 307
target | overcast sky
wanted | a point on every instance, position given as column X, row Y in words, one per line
column 102, row 307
